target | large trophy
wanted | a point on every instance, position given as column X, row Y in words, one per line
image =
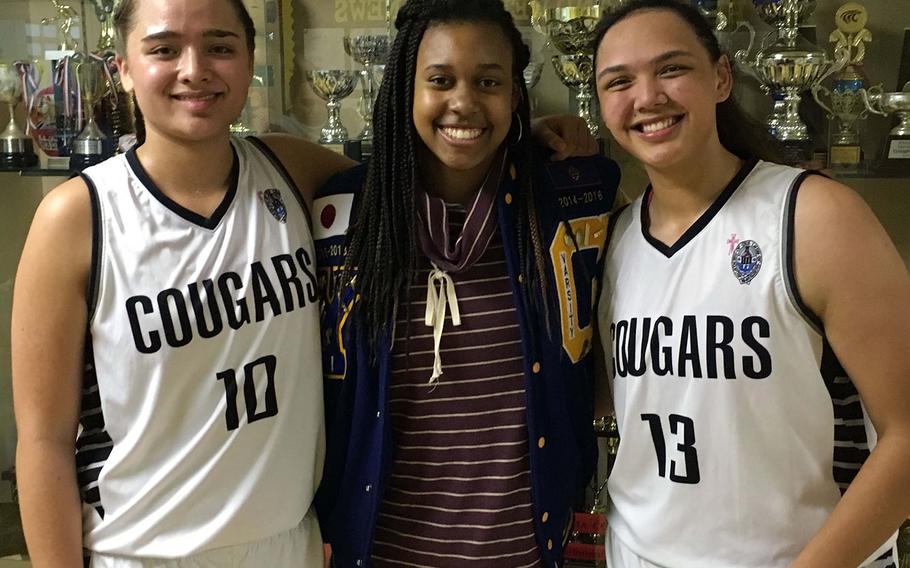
column 785, row 66
column 571, row 30
column 369, row 51
column 91, row 146
column 531, row 76
column 333, row 85
column 846, row 100
column 15, row 147
column 896, row 152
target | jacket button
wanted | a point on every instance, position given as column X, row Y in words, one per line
column 535, row 368
column 521, row 278
column 368, row 488
column 508, row 199
column 513, row 172
column 541, row 442
column 359, row 562
column 378, row 414
column 550, row 544
column 545, row 517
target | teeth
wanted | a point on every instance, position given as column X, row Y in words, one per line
column 462, row 133
column 195, row 97
column 655, row 126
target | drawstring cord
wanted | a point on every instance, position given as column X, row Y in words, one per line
column 437, row 302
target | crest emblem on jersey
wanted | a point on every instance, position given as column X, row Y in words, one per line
column 273, row 202
column 746, row 261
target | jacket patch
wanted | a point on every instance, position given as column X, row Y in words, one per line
column 332, row 215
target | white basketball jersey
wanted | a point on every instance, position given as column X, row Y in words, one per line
column 728, row 397
column 202, row 421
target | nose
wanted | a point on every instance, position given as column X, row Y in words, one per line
column 463, row 99
column 193, row 66
column 649, row 94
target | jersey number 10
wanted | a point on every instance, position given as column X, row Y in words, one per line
column 231, row 416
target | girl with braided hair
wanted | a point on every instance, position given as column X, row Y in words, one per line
column 460, row 267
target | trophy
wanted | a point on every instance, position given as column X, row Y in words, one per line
column 333, row 85
column 66, row 16
column 846, row 100
column 531, row 76
column 786, row 65
column 104, row 10
column 588, row 539
column 571, row 30
column 15, row 147
column 90, row 146
column 896, row 152
column 368, row 50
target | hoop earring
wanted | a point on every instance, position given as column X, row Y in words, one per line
column 520, row 129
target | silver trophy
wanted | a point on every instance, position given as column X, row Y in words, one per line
column 785, row 66
column 15, row 146
column 531, row 76
column 570, row 29
column 896, row 152
column 91, row 145
column 333, row 85
column 368, row 50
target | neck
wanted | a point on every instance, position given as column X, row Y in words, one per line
column 454, row 186
column 682, row 193
column 180, row 169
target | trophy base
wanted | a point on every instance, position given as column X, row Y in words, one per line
column 18, row 160
column 79, row 162
column 845, row 157
column 896, row 156
column 796, row 152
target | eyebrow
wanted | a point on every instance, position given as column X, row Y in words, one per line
column 659, row 59
column 167, row 34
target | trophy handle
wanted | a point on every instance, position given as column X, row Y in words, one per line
column 742, row 55
column 842, row 57
column 872, row 99
column 816, row 89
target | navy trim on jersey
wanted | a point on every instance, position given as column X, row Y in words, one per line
column 611, row 228
column 789, row 255
column 94, row 276
column 93, row 445
column 701, row 222
column 192, row 217
column 267, row 151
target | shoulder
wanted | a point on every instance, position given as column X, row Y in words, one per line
column 308, row 164
column 350, row 180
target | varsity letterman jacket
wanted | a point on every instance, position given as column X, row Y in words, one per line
column 577, row 194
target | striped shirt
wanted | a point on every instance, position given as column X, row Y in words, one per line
column 459, row 489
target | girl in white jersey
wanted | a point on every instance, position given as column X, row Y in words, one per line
column 165, row 311
column 743, row 303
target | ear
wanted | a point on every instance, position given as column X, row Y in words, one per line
column 123, row 70
column 724, row 82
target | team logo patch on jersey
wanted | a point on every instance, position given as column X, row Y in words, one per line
column 746, row 262
column 273, row 202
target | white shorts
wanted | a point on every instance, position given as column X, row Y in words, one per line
column 300, row 547
column 621, row 556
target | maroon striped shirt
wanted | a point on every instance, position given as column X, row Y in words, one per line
column 460, row 489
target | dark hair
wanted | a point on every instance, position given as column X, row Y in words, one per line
column 123, row 20
column 382, row 243
column 739, row 132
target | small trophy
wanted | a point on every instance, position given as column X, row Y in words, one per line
column 104, row 10
column 531, row 75
column 90, row 146
column 15, row 147
column 846, row 100
column 588, row 539
column 333, row 85
column 66, row 16
column 896, row 151
column 785, row 66
column 368, row 50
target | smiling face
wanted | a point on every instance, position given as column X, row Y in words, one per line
column 659, row 89
column 464, row 97
column 189, row 66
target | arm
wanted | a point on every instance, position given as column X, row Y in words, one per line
column 309, row 164
column 48, row 330
column 566, row 135
column 851, row 276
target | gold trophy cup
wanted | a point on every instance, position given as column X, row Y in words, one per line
column 15, row 147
